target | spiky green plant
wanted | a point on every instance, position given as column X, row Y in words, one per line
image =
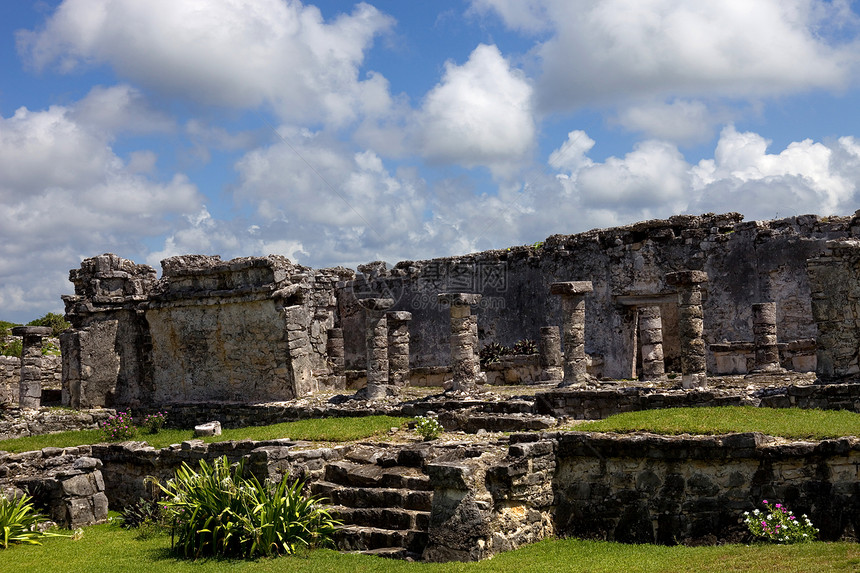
column 19, row 522
column 218, row 511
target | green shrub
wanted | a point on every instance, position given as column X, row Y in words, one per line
column 525, row 346
column 154, row 422
column 428, row 428
column 218, row 511
column 118, row 428
column 141, row 512
column 19, row 522
column 56, row 321
column 11, row 347
column 492, row 353
column 779, row 525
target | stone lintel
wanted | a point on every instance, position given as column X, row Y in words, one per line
column 376, row 303
column 686, row 278
column 646, row 299
column 571, row 287
column 398, row 315
column 458, row 298
column 31, row 331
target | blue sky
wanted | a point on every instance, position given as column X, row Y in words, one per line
column 338, row 133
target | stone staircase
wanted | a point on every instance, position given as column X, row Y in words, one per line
column 383, row 498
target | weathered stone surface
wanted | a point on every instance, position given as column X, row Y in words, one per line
column 208, row 429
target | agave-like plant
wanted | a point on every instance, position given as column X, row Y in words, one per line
column 19, row 522
column 219, row 511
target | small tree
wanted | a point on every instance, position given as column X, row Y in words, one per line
column 56, row 321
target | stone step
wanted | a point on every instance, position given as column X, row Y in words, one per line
column 390, row 518
column 373, row 497
column 357, row 538
column 366, row 475
column 392, row 553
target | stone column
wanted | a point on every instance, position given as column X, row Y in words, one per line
column 377, row 346
column 551, row 360
column 465, row 363
column 398, row 347
column 764, row 333
column 651, row 335
column 690, row 326
column 335, row 351
column 573, row 329
column 30, row 388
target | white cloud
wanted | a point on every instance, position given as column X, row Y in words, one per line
column 119, row 108
column 681, row 121
column 339, row 205
column 67, row 195
column 805, row 177
column 614, row 50
column 241, row 53
column 653, row 175
column 480, row 114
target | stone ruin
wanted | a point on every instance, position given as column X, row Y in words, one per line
column 684, row 296
column 671, row 305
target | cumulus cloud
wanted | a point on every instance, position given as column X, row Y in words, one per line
column 654, row 180
column 120, row 108
column 66, row 194
column 612, row 50
column 340, row 204
column 239, row 53
column 681, row 121
column 479, row 114
column 805, row 177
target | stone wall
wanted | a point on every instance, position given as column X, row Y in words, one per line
column 490, row 498
column 647, row 489
column 747, row 262
column 66, row 483
column 638, row 489
column 10, row 376
column 257, row 328
column 252, row 329
column 598, row 404
column 15, row 423
column 836, row 308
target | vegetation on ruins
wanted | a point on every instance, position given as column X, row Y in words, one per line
column 220, row 511
column 119, row 427
column 55, row 321
column 493, row 352
column 316, row 429
column 785, row 422
column 10, row 346
column 779, row 525
column 19, row 522
column 144, row 515
column 428, row 428
column 154, row 422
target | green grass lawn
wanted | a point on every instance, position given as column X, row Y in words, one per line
column 785, row 422
column 319, row 429
column 110, row 549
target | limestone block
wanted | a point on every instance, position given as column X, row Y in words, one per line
column 571, row 288
column 208, row 429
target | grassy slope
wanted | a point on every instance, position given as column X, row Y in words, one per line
column 323, row 430
column 110, row 549
column 789, row 422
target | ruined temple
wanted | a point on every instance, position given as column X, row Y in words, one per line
column 261, row 329
column 637, row 317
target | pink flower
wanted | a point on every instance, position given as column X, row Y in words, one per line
column 764, row 501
